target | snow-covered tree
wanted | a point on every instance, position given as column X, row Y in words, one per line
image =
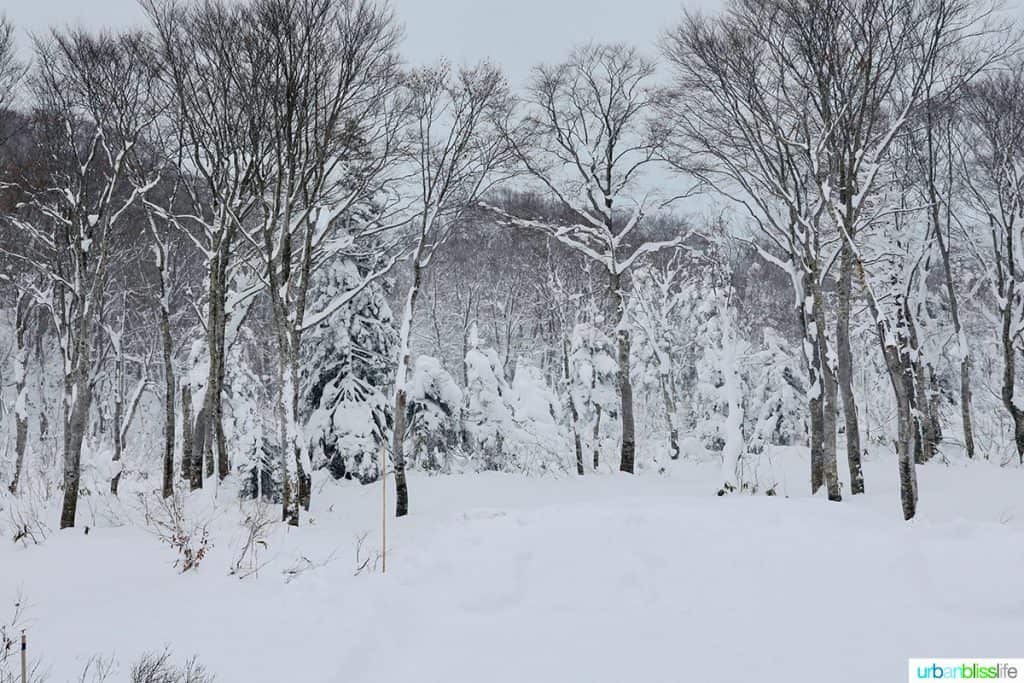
column 586, row 139
column 593, row 370
column 95, row 95
column 434, row 413
column 346, row 372
column 488, row 417
column 774, row 396
column 655, row 309
column 455, row 154
column 993, row 169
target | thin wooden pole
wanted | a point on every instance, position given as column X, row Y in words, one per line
column 383, row 510
column 24, row 657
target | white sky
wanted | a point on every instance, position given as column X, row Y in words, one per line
column 514, row 33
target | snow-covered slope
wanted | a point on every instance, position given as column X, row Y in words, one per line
column 602, row 578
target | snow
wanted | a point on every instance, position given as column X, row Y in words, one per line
column 599, row 578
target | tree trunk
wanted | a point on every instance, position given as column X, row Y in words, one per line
column 962, row 347
column 829, row 400
column 574, row 413
column 188, row 459
column 926, row 428
column 935, row 405
column 115, row 481
column 398, row 449
column 845, row 375
column 669, row 399
column 896, row 353
column 169, row 400
column 401, row 397
column 21, row 394
column 208, row 443
column 20, row 440
column 76, row 412
column 305, row 484
column 1010, row 369
column 627, row 462
column 214, row 400
column 290, row 473
column 965, row 405
column 812, row 361
column 947, row 271
column 905, row 450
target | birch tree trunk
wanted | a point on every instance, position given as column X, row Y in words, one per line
column 401, row 392
column 169, row 400
column 20, row 441
column 573, row 411
column 845, row 371
column 671, row 411
column 906, row 432
column 628, row 456
column 812, row 360
column 896, row 353
column 77, row 401
column 1007, row 392
column 926, row 429
column 118, row 418
column 21, row 390
column 829, row 398
column 947, row 272
column 189, row 467
column 216, row 324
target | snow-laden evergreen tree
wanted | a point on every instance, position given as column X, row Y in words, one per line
column 433, row 414
column 717, row 406
column 662, row 342
column 511, row 426
column 489, row 414
column 775, row 398
column 593, row 367
column 541, row 437
column 346, row 371
column 248, row 423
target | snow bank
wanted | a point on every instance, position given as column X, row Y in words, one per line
column 601, row 578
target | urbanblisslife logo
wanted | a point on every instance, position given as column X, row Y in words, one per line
column 966, row 669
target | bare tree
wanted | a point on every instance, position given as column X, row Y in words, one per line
column 125, row 406
column 456, row 153
column 915, row 39
column 812, row 97
column 216, row 114
column 993, row 170
column 586, row 139
column 11, row 69
column 23, row 314
column 162, row 297
column 11, row 73
column 93, row 93
column 329, row 81
column 738, row 125
column 657, row 298
column 935, row 140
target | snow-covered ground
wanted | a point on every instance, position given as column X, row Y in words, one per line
column 606, row 577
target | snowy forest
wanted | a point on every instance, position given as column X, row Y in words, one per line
column 259, row 272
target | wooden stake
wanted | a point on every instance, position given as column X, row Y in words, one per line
column 24, row 657
column 383, row 510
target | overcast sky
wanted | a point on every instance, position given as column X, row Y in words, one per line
column 514, row 33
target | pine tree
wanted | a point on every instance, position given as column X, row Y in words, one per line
column 346, row 371
column 433, row 414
